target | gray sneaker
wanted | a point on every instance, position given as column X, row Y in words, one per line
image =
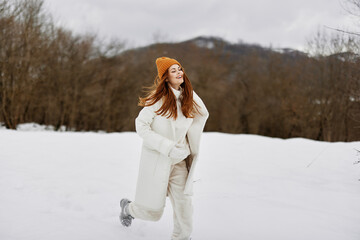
column 125, row 218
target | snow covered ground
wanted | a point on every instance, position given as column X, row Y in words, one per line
column 67, row 185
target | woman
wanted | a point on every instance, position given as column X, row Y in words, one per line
column 171, row 124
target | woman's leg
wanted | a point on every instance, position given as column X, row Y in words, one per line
column 144, row 214
column 180, row 202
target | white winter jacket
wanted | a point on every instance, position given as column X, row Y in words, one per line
column 158, row 134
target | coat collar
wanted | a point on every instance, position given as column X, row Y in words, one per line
column 177, row 93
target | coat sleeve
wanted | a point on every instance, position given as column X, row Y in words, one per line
column 151, row 139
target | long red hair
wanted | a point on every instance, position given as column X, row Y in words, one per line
column 161, row 90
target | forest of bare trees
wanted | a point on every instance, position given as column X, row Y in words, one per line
column 50, row 76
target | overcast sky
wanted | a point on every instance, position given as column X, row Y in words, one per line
column 281, row 23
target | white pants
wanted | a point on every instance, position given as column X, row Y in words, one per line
column 181, row 203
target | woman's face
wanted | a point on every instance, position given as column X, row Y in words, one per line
column 176, row 76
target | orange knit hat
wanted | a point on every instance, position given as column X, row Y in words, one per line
column 163, row 63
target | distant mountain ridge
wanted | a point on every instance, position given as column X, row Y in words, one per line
column 213, row 43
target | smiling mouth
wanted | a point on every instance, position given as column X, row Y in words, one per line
column 179, row 77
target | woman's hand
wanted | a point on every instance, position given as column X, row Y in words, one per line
column 179, row 152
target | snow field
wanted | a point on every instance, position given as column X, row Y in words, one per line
column 57, row 185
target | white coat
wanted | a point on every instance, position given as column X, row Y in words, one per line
column 158, row 134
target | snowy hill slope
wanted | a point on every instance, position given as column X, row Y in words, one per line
column 67, row 185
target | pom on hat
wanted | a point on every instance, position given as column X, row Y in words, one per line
column 163, row 63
